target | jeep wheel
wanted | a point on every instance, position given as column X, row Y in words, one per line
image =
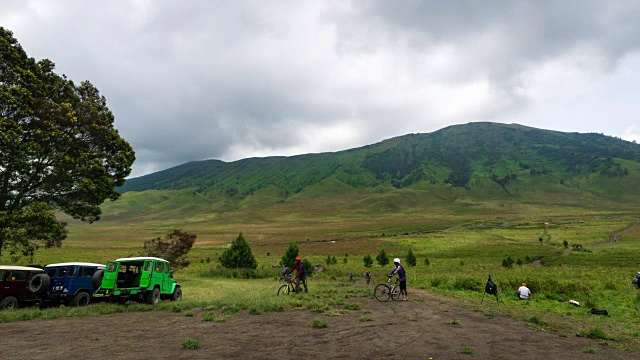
column 9, row 303
column 153, row 297
column 81, row 299
column 177, row 294
column 39, row 283
column 96, row 280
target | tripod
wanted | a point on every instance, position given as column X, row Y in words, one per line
column 492, row 289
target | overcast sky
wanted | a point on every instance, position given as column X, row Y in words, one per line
column 194, row 80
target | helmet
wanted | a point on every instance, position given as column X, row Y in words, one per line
column 396, row 260
column 366, row 270
column 298, row 259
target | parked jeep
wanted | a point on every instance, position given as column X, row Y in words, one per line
column 139, row 278
column 68, row 284
column 14, row 286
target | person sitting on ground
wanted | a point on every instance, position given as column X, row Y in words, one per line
column 301, row 275
column 367, row 276
column 523, row 292
column 402, row 276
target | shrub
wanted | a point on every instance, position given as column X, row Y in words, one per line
column 426, row 261
column 367, row 260
column 190, row 343
column 382, row 258
column 411, row 259
column 173, row 247
column 595, row 333
column 319, row 324
column 239, row 255
column 289, row 257
column 507, row 263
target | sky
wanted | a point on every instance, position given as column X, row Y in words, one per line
column 194, row 80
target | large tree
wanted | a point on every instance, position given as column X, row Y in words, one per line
column 59, row 151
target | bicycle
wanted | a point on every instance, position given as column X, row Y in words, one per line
column 289, row 287
column 387, row 290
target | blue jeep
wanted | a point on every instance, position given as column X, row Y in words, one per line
column 67, row 284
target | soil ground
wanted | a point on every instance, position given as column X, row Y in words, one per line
column 423, row 327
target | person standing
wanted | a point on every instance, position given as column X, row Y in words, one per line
column 367, row 276
column 402, row 276
column 523, row 292
column 301, row 275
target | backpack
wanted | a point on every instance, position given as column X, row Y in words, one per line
column 599, row 312
column 491, row 288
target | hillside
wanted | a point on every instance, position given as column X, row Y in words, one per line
column 409, row 183
column 455, row 155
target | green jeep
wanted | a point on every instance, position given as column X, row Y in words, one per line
column 138, row 278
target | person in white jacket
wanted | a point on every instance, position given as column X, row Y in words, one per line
column 523, row 292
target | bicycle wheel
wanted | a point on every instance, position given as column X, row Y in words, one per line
column 283, row 290
column 382, row 292
column 395, row 293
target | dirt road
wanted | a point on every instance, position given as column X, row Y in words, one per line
column 426, row 326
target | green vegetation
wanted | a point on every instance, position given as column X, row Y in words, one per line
column 239, row 255
column 59, row 151
column 467, row 350
column 190, row 343
column 174, row 248
column 319, row 324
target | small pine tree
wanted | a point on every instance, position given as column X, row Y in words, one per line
column 289, row 257
column 382, row 258
column 426, row 261
column 345, row 260
column 334, row 260
column 328, row 261
column 308, row 268
column 565, row 243
column 367, row 260
column 238, row 255
column 411, row 259
column 519, row 262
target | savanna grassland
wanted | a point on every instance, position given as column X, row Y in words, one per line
column 462, row 246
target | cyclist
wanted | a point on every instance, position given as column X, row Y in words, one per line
column 402, row 276
column 367, row 276
column 301, row 275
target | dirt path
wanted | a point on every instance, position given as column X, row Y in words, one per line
column 426, row 326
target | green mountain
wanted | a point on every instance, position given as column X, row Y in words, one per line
column 473, row 166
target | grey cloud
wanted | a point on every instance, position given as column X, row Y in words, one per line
column 200, row 79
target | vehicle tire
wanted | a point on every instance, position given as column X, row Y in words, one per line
column 283, row 290
column 177, row 294
column 96, row 280
column 80, row 299
column 39, row 284
column 395, row 293
column 382, row 292
column 153, row 297
column 9, row 303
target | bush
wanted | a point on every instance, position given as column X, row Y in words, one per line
column 173, row 248
column 411, row 259
column 289, row 257
column 319, row 324
column 382, row 258
column 426, row 261
column 190, row 343
column 507, row 263
column 367, row 260
column 239, row 255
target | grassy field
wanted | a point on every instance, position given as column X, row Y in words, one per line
column 462, row 249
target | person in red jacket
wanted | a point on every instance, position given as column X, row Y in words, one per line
column 301, row 275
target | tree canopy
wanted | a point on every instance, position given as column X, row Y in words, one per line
column 173, row 247
column 59, row 151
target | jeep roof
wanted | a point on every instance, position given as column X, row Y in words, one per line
column 141, row 258
column 24, row 268
column 77, row 264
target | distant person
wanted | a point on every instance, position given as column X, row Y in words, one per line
column 284, row 273
column 351, row 278
column 402, row 276
column 367, row 276
column 301, row 275
column 636, row 281
column 523, row 292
